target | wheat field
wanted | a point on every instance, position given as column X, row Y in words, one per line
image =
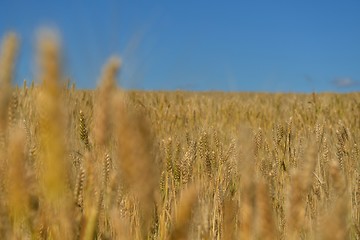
column 115, row 164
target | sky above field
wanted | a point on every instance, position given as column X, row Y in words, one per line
column 276, row 46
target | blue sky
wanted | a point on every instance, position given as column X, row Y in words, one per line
column 252, row 45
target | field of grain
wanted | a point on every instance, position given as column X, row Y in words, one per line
column 116, row 164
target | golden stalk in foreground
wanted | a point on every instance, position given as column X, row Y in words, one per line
column 266, row 227
column 137, row 165
column 17, row 182
column 53, row 167
column 183, row 212
column 103, row 108
column 102, row 134
column 8, row 54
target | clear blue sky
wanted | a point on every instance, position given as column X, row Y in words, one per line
column 252, row 45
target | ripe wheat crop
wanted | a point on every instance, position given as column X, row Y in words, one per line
column 115, row 164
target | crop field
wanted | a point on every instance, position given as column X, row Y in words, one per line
column 110, row 163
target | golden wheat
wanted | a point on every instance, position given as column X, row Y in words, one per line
column 117, row 164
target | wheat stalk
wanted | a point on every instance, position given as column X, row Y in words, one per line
column 54, row 172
